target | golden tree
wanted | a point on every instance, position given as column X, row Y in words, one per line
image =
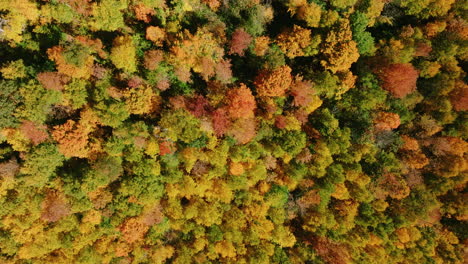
column 293, row 41
column 273, row 82
column 339, row 49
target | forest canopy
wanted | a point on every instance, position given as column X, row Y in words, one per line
column 233, row 131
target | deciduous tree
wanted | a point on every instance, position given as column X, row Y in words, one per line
column 273, row 83
column 240, row 40
column 399, row 79
column 339, row 49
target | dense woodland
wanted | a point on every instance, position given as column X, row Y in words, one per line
column 233, row 131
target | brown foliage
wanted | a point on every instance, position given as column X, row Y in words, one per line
column 100, row 198
column 414, row 178
column 330, row 251
column 449, row 166
column 281, row 122
column 270, row 162
column 207, row 68
column 153, row 216
column 442, row 146
column 273, row 82
column 54, row 206
column 156, row 34
column 243, row 130
column 114, row 92
column 213, row 4
column 411, row 153
column 9, row 169
column 392, row 185
column 163, row 84
column 153, row 58
column 422, row 50
column 53, row 80
column 308, row 200
column 459, row 97
column 301, row 115
column 99, row 72
column 82, row 7
column 177, row 102
column 241, row 102
column 35, row 133
column 135, row 81
column 459, row 26
column 399, row 79
column 200, row 168
column 304, row 156
column 183, row 73
column 239, row 42
column 223, row 71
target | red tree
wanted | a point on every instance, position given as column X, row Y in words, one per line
column 221, row 121
column 399, row 79
column 198, row 106
column 239, row 42
column 302, row 92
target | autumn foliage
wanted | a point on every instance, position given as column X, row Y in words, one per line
column 72, row 138
column 218, row 131
column 54, row 207
column 385, row 121
column 53, row 80
column 293, row 41
column 399, row 79
column 274, row 82
column 36, row 133
column 239, row 42
column 241, row 102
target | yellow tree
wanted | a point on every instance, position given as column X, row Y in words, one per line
column 72, row 138
column 123, row 54
column 293, row 41
column 339, row 49
column 273, row 82
column 200, row 52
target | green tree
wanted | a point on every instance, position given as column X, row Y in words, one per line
column 41, row 164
